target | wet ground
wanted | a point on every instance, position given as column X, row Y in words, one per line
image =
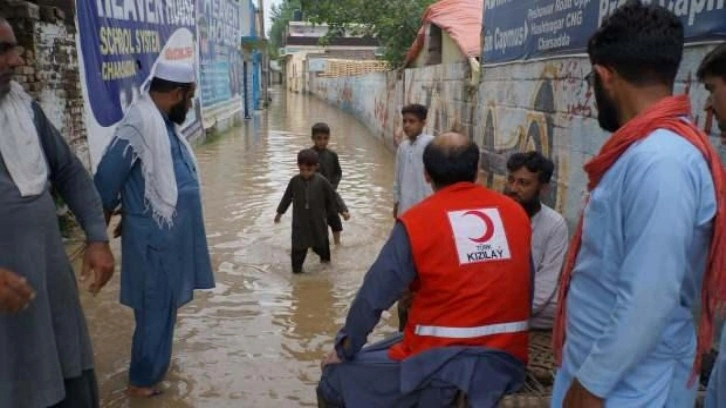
column 257, row 339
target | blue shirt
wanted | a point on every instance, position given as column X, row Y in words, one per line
column 630, row 307
column 154, row 258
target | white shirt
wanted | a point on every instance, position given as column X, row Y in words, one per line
column 549, row 246
column 409, row 184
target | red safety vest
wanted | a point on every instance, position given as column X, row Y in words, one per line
column 471, row 249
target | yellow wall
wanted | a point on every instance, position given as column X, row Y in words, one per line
column 450, row 52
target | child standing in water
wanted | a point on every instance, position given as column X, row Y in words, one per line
column 312, row 198
column 330, row 169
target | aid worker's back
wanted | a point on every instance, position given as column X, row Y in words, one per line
column 471, row 249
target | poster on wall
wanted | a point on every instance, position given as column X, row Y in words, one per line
column 528, row 29
column 220, row 59
column 119, row 44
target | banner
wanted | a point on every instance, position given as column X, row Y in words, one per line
column 526, row 29
column 220, row 58
column 119, row 43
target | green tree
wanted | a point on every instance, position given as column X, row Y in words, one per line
column 394, row 23
column 280, row 15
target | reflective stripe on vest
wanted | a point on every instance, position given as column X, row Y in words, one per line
column 471, row 332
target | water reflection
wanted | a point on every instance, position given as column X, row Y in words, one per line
column 256, row 340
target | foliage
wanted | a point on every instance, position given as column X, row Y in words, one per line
column 394, row 23
column 280, row 15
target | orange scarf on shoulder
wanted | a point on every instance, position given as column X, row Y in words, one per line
column 666, row 114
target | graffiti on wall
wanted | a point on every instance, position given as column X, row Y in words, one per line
column 534, row 129
column 545, row 106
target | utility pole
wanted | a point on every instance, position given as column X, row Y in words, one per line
column 265, row 55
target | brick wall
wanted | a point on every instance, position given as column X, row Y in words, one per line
column 51, row 73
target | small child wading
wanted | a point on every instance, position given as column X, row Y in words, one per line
column 312, row 198
column 330, row 169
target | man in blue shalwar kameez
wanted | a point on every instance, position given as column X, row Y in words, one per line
column 712, row 73
column 149, row 168
column 649, row 237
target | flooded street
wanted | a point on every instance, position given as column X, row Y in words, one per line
column 257, row 339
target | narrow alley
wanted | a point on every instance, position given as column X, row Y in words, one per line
column 257, row 339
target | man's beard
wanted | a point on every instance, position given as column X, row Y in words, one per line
column 607, row 112
column 531, row 207
column 178, row 112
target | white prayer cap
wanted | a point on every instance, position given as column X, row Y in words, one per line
column 175, row 71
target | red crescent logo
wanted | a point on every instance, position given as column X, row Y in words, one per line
column 488, row 226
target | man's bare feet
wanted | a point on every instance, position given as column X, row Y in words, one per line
column 336, row 238
column 142, row 392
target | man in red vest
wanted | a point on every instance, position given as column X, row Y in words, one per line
column 464, row 253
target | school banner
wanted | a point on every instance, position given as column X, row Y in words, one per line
column 220, row 58
column 528, row 29
column 118, row 44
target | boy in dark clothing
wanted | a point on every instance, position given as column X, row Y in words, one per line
column 330, row 169
column 312, row 198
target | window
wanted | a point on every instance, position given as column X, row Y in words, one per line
column 434, row 48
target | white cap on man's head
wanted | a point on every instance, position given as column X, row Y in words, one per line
column 175, row 71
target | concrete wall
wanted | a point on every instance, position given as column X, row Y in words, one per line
column 543, row 105
column 450, row 51
column 295, row 69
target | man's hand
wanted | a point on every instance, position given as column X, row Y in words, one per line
column 15, row 293
column 395, row 211
column 278, row 217
column 346, row 216
column 331, row 358
column 579, row 397
column 99, row 260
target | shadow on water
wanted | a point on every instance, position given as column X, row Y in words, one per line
column 257, row 339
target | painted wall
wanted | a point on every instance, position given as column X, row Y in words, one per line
column 543, row 105
column 251, row 57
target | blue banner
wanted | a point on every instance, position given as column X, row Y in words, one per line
column 220, row 58
column 119, row 43
column 526, row 29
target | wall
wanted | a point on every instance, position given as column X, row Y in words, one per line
column 547, row 106
column 50, row 73
column 450, row 51
column 543, row 105
column 221, row 73
column 295, row 68
column 251, row 57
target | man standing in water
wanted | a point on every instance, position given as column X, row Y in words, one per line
column 409, row 185
column 45, row 351
column 465, row 254
column 150, row 169
column 712, row 73
column 651, row 233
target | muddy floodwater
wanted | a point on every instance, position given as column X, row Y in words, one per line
column 257, row 339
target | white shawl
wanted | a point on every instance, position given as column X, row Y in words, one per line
column 153, row 148
column 20, row 145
